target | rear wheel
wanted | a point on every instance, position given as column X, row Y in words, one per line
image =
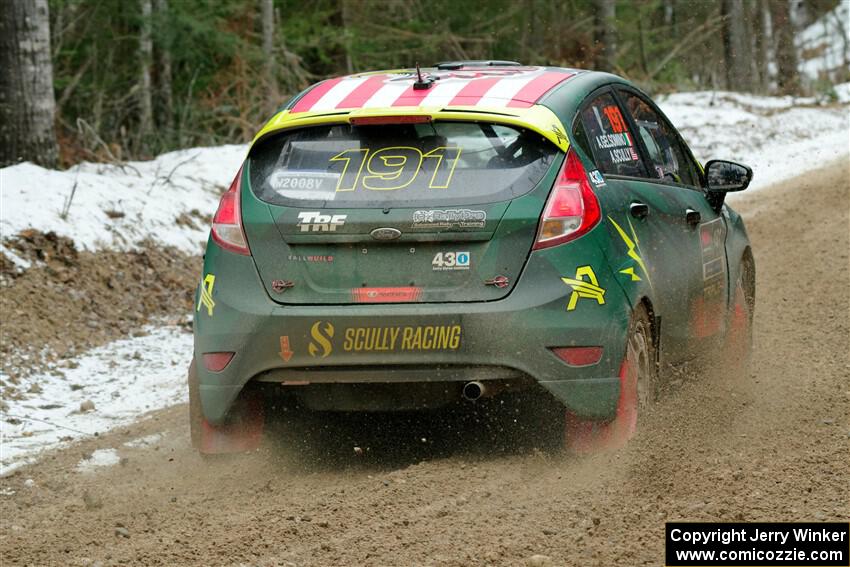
column 638, row 389
column 739, row 334
column 195, row 414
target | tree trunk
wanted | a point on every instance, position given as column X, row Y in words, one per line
column 669, row 12
column 605, row 34
column 145, row 57
column 345, row 11
column 735, row 46
column 759, row 46
column 165, row 114
column 788, row 76
column 27, row 103
column 272, row 95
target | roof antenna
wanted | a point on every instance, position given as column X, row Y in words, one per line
column 422, row 84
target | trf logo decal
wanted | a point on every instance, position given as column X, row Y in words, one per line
column 206, row 294
column 584, row 285
column 314, row 221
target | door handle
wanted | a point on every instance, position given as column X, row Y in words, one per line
column 639, row 210
column 692, row 217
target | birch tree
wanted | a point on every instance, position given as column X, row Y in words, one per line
column 145, row 57
column 27, row 103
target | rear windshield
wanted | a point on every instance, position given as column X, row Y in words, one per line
column 408, row 165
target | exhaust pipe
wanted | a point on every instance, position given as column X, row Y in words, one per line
column 473, row 390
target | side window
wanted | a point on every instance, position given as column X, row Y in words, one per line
column 602, row 132
column 670, row 161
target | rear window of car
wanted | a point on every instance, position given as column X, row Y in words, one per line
column 409, row 165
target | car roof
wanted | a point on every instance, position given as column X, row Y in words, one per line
column 491, row 87
column 501, row 92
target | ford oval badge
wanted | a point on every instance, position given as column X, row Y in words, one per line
column 385, row 233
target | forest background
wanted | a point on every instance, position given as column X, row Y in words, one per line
column 135, row 78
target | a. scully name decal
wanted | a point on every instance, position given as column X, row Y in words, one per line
column 326, row 339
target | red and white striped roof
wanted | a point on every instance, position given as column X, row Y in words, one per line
column 492, row 87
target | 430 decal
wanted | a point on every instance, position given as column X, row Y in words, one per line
column 388, row 169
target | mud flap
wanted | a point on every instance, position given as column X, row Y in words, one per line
column 585, row 436
column 242, row 431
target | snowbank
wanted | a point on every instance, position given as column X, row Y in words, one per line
column 123, row 379
column 779, row 137
column 117, row 207
column 824, row 46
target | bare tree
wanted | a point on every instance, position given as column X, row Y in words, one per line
column 272, row 95
column 736, row 52
column 165, row 113
column 788, row 77
column 345, row 11
column 145, row 57
column 27, row 103
column 605, row 34
column 758, row 44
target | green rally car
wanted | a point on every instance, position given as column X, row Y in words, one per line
column 405, row 239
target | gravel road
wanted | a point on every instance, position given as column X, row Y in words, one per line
column 770, row 446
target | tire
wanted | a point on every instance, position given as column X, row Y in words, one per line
column 738, row 343
column 638, row 391
column 196, row 416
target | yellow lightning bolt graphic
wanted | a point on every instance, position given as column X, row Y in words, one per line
column 631, row 272
column 632, row 245
column 206, row 294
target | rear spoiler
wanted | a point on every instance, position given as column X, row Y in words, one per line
column 536, row 117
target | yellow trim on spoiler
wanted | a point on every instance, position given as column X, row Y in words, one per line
column 537, row 118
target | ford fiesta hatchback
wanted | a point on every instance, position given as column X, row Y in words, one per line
column 402, row 240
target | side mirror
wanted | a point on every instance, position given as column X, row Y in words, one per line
column 726, row 176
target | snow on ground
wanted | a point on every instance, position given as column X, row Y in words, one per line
column 778, row 137
column 824, row 46
column 842, row 91
column 123, row 379
column 99, row 458
column 110, row 206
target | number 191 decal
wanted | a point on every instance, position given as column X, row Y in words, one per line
column 445, row 261
column 388, row 169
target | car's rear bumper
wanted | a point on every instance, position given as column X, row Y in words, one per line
column 283, row 343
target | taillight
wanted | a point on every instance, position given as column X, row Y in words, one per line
column 227, row 223
column 571, row 210
column 217, row 361
column 579, row 356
